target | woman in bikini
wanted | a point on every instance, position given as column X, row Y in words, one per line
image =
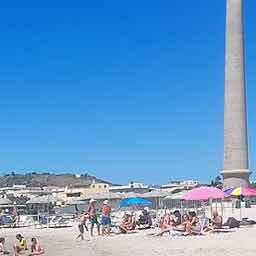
column 170, row 221
column 128, row 224
column 36, row 249
column 194, row 224
column 215, row 222
column 20, row 246
column 2, row 249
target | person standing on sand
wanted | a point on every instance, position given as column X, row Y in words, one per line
column 82, row 225
column 106, row 219
column 92, row 211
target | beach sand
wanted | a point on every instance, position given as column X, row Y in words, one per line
column 58, row 242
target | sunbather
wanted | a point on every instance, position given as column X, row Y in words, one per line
column 145, row 219
column 2, row 249
column 170, row 221
column 215, row 222
column 128, row 224
column 194, row 226
column 20, row 246
column 36, row 249
column 184, row 223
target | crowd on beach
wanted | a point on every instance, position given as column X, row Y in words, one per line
column 186, row 223
column 20, row 248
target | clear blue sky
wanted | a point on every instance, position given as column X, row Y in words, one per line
column 121, row 89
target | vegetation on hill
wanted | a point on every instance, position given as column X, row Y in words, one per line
column 47, row 179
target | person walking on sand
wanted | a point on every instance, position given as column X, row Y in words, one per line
column 106, row 219
column 82, row 225
column 92, row 211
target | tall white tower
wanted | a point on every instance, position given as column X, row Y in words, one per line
column 236, row 167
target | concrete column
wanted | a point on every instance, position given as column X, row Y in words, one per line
column 236, row 168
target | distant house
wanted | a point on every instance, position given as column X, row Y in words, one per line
column 179, row 185
column 84, row 190
column 135, row 187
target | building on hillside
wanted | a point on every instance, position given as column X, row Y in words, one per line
column 175, row 186
column 93, row 188
column 135, row 187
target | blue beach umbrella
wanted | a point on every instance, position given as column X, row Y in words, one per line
column 135, row 201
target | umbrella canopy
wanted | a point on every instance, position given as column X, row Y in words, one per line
column 204, row 194
column 135, row 201
column 241, row 191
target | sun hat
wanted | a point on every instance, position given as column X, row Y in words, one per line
column 105, row 202
column 92, row 201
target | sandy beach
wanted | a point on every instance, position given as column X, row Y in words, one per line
column 61, row 242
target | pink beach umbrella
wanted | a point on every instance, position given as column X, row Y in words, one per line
column 204, row 194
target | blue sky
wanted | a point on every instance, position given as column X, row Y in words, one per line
column 125, row 90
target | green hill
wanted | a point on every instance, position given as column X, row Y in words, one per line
column 47, row 179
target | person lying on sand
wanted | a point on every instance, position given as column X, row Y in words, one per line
column 128, row 224
column 2, row 249
column 36, row 249
column 215, row 222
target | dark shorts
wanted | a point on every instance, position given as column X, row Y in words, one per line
column 105, row 221
column 81, row 228
column 94, row 220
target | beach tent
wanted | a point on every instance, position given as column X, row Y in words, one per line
column 135, row 201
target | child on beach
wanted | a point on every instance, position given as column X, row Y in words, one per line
column 82, row 225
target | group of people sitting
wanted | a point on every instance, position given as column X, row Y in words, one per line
column 21, row 248
column 188, row 223
column 130, row 222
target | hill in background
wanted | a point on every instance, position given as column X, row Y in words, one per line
column 47, row 179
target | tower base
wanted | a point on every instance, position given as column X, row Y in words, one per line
column 235, row 178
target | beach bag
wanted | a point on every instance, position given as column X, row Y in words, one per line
column 232, row 223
